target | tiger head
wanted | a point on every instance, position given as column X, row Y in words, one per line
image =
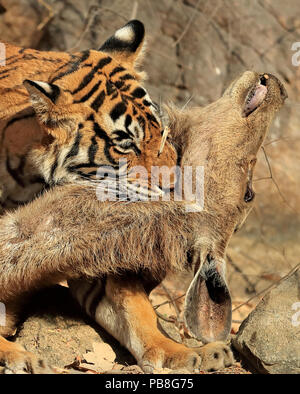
column 94, row 113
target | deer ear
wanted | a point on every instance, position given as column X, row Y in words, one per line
column 127, row 43
column 207, row 309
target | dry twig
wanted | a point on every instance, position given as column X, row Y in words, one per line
column 172, row 301
column 188, row 25
column 48, row 17
column 168, row 302
column 167, row 319
column 134, row 10
column 274, row 181
column 269, row 288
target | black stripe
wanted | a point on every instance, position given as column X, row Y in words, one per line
column 81, row 165
column 119, row 84
column 142, row 123
column 93, row 150
column 75, row 147
column 117, row 70
column 131, row 146
column 58, row 69
column 14, row 57
column 101, row 133
column 110, row 88
column 118, row 111
column 121, row 135
column 97, row 298
column 96, row 104
column 108, row 143
column 73, row 66
column 139, row 93
column 151, row 118
column 30, row 56
column 89, row 94
column 13, row 61
column 126, row 77
column 53, row 168
column 125, row 88
column 8, row 71
column 87, row 79
column 128, row 122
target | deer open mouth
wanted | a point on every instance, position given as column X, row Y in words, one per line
column 207, row 311
column 256, row 96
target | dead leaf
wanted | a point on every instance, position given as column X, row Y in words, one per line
column 102, row 356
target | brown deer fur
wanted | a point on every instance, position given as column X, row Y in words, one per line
column 68, row 234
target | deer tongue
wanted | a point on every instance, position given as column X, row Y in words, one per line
column 254, row 99
column 207, row 310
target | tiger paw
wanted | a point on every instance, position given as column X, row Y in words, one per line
column 215, row 356
column 14, row 359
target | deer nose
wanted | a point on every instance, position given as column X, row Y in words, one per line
column 282, row 89
column 249, row 195
column 263, row 79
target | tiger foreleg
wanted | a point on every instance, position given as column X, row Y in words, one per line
column 121, row 306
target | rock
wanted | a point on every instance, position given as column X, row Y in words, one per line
column 269, row 339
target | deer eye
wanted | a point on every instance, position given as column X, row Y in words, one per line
column 249, row 195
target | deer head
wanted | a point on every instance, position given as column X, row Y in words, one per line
column 224, row 138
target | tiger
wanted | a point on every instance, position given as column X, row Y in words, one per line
column 65, row 116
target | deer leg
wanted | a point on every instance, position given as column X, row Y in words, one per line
column 121, row 306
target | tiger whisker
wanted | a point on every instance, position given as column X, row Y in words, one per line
column 188, row 101
column 163, row 140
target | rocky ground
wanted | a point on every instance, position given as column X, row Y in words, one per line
column 195, row 48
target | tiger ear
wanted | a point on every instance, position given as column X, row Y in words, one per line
column 43, row 95
column 127, row 44
column 49, row 102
